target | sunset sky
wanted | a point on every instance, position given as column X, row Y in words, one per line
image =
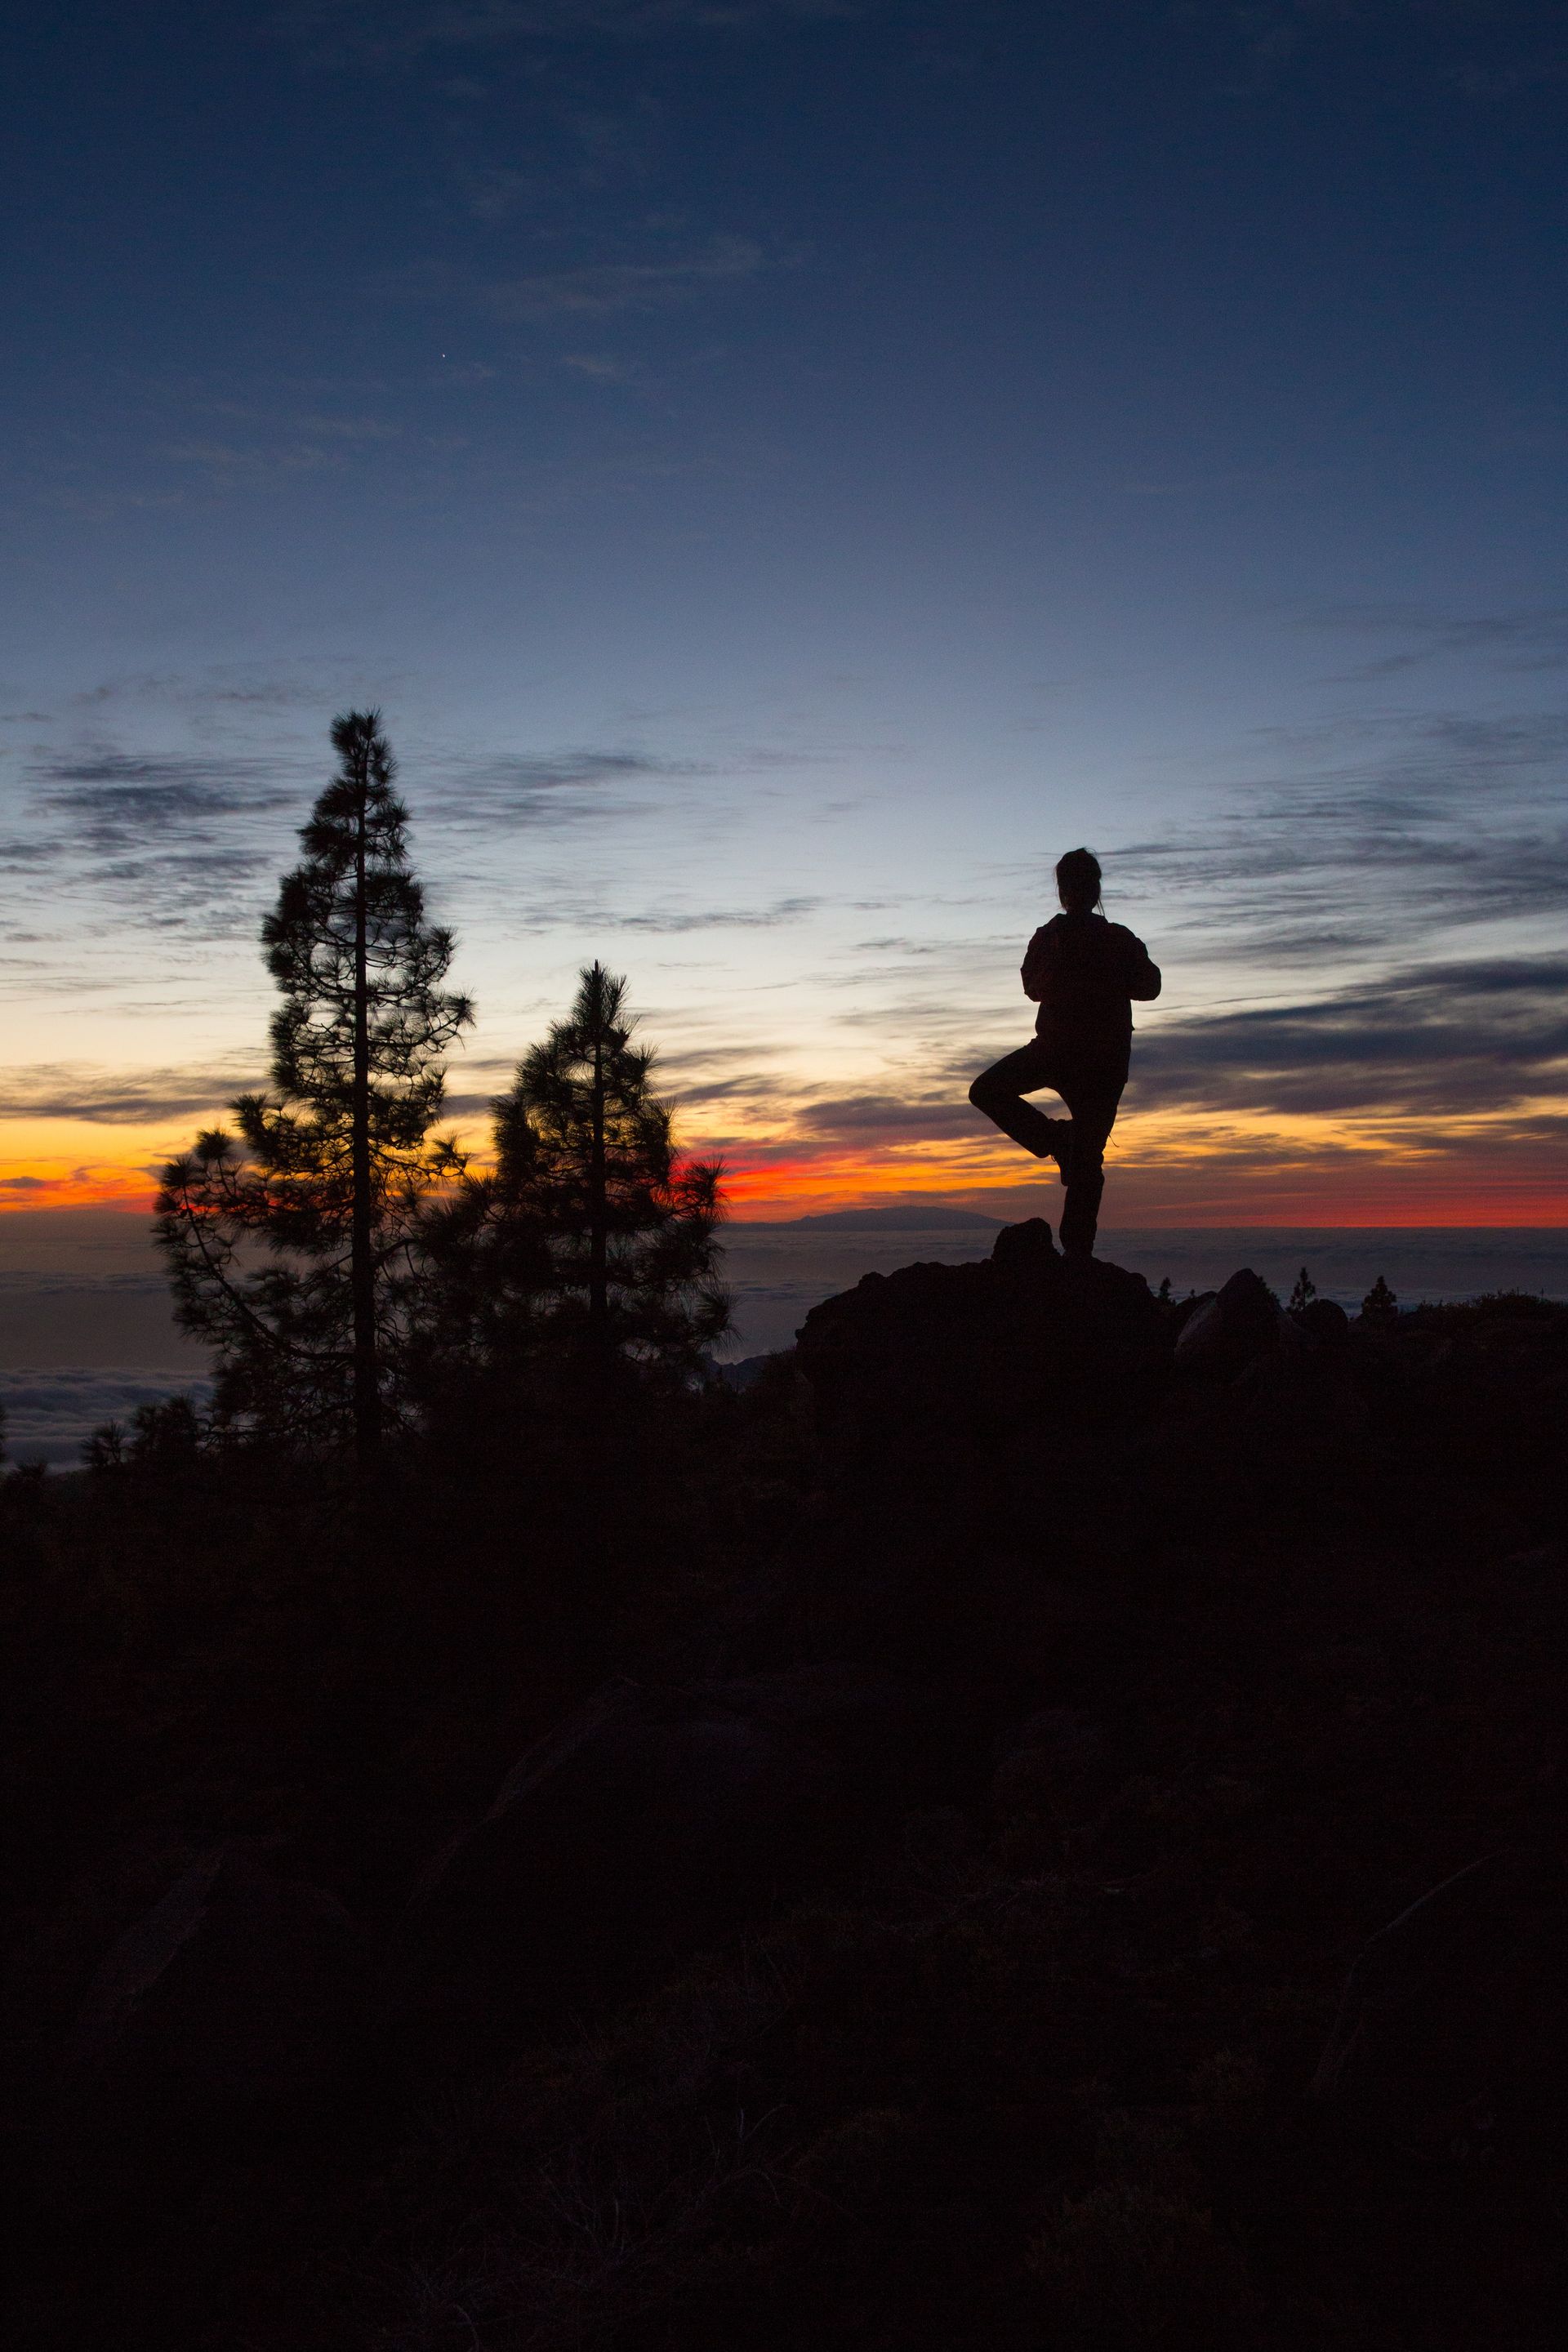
column 786, row 469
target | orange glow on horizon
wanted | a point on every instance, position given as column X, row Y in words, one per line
column 1246, row 1171
column 107, row 1187
column 778, row 1193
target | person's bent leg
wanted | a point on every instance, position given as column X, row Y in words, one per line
column 999, row 1093
column 1093, row 1104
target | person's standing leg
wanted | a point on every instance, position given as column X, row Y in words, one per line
column 999, row 1092
column 1092, row 1098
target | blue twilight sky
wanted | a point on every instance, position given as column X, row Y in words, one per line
column 786, row 469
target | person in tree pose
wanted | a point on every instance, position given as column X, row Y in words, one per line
column 1083, row 972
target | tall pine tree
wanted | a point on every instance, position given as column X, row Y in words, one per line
column 291, row 1247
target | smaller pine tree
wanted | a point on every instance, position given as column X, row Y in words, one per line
column 591, row 1233
column 1380, row 1303
column 167, row 1435
column 1306, row 1290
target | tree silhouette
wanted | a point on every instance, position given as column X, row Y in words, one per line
column 1380, row 1303
column 290, row 1247
column 1304, row 1293
column 591, row 1233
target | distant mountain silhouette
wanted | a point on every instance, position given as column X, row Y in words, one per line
column 898, row 1221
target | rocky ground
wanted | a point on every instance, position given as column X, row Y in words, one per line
column 1038, row 1824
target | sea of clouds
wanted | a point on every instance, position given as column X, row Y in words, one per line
column 50, row 1412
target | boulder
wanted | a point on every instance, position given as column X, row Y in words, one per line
column 1025, row 1249
column 655, row 1817
column 1233, row 1327
column 936, row 1372
column 1324, row 1322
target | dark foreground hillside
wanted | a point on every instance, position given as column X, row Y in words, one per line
column 1036, row 1824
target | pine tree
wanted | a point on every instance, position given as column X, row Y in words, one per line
column 591, row 1230
column 1380, row 1303
column 291, row 1247
column 1306, row 1290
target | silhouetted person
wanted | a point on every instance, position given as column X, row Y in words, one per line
column 1083, row 973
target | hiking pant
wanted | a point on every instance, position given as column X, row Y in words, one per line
column 1092, row 1089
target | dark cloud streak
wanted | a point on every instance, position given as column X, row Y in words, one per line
column 179, row 841
column 1535, row 640
column 1460, row 821
column 1448, row 1038
column 125, row 1098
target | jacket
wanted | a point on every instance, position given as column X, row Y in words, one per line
column 1083, row 973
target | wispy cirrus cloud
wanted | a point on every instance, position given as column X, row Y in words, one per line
column 128, row 1097
column 312, row 684
column 226, row 463
column 1489, row 50
column 181, row 837
column 397, row 32
column 1391, row 832
column 171, row 841
column 614, row 283
column 872, row 1118
column 191, row 841
column 597, row 290
column 279, row 446
column 677, row 921
column 114, row 802
column 583, row 785
column 1441, row 1040
column 1533, row 639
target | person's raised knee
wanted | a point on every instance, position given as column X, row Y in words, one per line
column 981, row 1094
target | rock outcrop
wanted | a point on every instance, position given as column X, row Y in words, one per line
column 942, row 1368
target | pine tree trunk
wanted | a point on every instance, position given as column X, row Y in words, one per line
column 598, row 1249
column 362, row 1271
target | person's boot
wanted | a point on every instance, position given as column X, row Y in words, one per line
column 1080, row 1215
column 1059, row 1146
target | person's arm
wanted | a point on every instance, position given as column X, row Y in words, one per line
column 1033, row 972
column 1143, row 974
